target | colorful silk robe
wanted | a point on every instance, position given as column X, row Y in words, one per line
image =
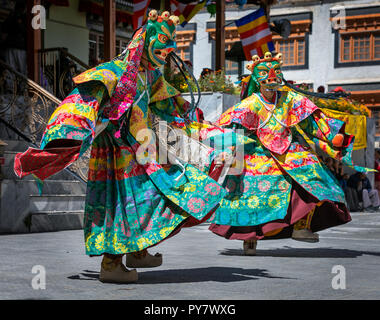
column 278, row 154
column 129, row 206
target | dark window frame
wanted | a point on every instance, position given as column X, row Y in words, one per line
column 337, row 54
column 305, row 65
column 337, row 39
column 190, row 27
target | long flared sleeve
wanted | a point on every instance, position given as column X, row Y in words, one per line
column 71, row 128
column 329, row 135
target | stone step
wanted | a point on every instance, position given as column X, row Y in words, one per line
column 56, row 202
column 51, row 221
column 22, row 209
column 61, row 187
column 7, row 168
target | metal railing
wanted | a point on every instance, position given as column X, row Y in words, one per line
column 58, row 67
column 25, row 109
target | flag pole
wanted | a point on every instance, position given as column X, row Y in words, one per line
column 220, row 35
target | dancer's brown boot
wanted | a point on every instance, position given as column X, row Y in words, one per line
column 305, row 235
column 143, row 259
column 113, row 271
column 250, row 247
column 301, row 229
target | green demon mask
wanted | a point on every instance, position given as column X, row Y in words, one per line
column 160, row 37
column 266, row 73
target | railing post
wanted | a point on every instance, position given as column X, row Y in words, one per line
column 109, row 29
column 220, row 35
column 2, row 161
column 33, row 42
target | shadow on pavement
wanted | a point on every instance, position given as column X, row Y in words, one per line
column 289, row 252
column 218, row 274
column 85, row 275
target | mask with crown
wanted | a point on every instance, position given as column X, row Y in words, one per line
column 266, row 72
column 160, row 37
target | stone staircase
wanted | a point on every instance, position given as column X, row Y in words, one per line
column 23, row 209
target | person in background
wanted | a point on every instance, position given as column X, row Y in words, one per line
column 344, row 180
column 205, row 72
column 370, row 197
column 351, row 194
column 338, row 165
column 338, row 89
column 321, row 89
column 189, row 64
column 377, row 167
column 330, row 164
column 335, row 167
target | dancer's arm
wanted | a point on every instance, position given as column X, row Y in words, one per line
column 328, row 133
column 330, row 136
column 74, row 121
column 69, row 133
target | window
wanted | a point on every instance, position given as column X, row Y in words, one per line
column 185, row 40
column 96, row 52
column 120, row 45
column 360, row 47
column 231, row 37
column 184, row 53
column 293, row 51
column 358, row 43
column 96, row 47
column 231, row 67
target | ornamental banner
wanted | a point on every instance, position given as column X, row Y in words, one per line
column 355, row 125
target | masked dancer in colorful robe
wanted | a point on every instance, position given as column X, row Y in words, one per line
column 133, row 201
column 283, row 189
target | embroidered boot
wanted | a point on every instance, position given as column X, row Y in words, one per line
column 305, row 235
column 302, row 230
column 113, row 271
column 143, row 259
